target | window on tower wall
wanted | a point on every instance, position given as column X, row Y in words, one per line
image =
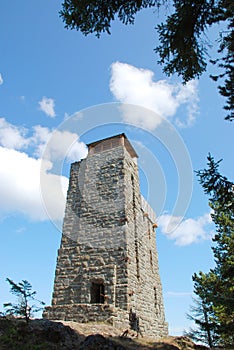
column 97, row 292
column 151, row 259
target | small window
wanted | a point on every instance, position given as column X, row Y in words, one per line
column 155, row 298
column 151, row 259
column 97, row 293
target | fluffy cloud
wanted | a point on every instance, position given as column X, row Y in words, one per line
column 187, row 231
column 131, row 85
column 12, row 136
column 47, row 105
column 20, row 186
column 49, row 144
column 24, row 176
column 1, row 79
column 54, row 145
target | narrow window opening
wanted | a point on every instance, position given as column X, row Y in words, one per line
column 151, row 259
column 155, row 298
column 97, row 292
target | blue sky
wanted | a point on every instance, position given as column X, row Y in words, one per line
column 55, row 80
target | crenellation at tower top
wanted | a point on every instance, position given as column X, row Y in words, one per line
column 107, row 265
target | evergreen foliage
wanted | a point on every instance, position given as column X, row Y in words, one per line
column 183, row 49
column 216, row 288
column 25, row 295
column 202, row 314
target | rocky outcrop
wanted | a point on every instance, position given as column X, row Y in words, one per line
column 49, row 335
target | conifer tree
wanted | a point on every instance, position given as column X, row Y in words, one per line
column 25, row 295
column 183, row 48
column 202, row 314
column 216, row 288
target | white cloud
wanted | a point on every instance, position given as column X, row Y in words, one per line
column 188, row 94
column 24, row 176
column 54, row 145
column 1, row 79
column 186, row 231
column 20, row 186
column 11, row 136
column 131, row 85
column 47, row 106
column 77, row 151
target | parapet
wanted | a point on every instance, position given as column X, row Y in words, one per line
column 110, row 143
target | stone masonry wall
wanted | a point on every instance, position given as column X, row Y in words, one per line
column 145, row 290
column 108, row 239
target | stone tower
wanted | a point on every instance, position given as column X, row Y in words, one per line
column 107, row 265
